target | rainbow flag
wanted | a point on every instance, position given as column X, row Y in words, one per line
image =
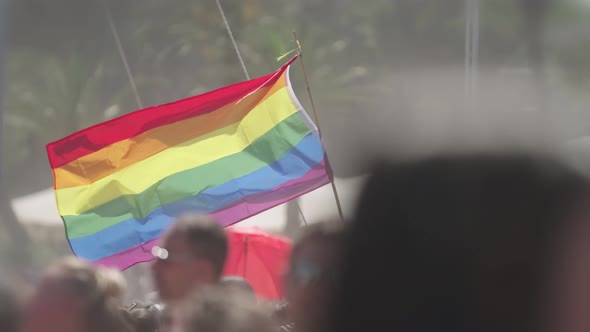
column 230, row 153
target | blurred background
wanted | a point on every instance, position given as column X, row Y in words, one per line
column 403, row 76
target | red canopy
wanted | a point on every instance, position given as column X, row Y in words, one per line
column 258, row 257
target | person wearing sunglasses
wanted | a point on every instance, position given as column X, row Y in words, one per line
column 190, row 257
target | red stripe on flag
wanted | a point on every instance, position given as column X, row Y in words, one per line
column 94, row 138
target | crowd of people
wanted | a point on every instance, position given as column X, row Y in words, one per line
column 73, row 295
column 457, row 242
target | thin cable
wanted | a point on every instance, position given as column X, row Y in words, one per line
column 122, row 53
column 233, row 40
column 300, row 212
column 472, row 32
column 468, row 57
column 475, row 48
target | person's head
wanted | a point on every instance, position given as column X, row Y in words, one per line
column 475, row 242
column 192, row 254
column 238, row 283
column 10, row 311
column 310, row 278
column 73, row 296
column 143, row 317
column 220, row 309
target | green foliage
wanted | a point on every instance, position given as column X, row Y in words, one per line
column 64, row 72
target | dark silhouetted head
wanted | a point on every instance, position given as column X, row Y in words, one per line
column 474, row 242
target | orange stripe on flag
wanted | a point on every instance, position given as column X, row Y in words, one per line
column 117, row 156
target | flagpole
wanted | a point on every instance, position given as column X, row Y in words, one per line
column 317, row 121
